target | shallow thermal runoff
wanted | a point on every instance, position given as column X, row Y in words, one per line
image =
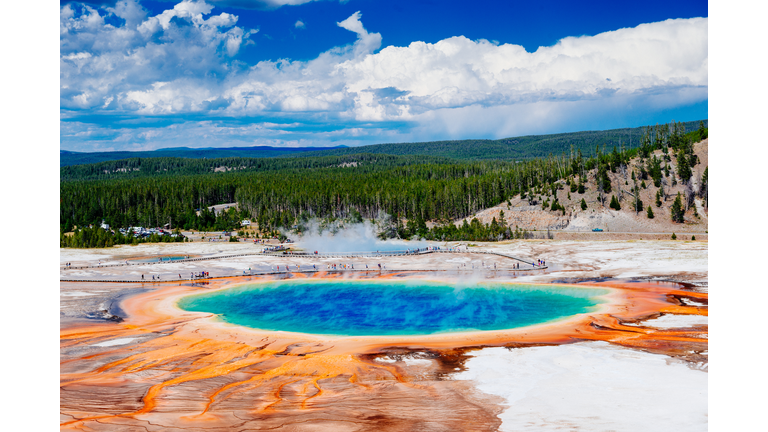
column 132, row 360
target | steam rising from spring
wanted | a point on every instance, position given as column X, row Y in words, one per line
column 349, row 237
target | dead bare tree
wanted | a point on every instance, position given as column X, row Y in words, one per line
column 599, row 190
column 689, row 194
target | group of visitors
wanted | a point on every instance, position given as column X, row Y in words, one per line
column 341, row 266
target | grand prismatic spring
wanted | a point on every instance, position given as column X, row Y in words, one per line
column 420, row 345
column 353, row 308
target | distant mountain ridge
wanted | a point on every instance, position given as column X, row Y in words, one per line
column 67, row 157
column 514, row 148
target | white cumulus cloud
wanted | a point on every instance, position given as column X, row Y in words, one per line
column 184, row 60
column 257, row 4
column 366, row 42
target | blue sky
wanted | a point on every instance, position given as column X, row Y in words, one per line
column 141, row 75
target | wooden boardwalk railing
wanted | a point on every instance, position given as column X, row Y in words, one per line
column 289, row 254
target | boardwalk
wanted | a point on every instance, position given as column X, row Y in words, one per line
column 290, row 254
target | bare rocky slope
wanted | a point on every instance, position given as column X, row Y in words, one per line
column 523, row 214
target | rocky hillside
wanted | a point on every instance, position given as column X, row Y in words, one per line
column 534, row 212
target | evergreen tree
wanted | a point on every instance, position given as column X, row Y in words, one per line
column 674, row 237
column 683, row 167
column 658, row 198
column 654, row 170
column 650, row 212
column 615, row 203
column 678, row 211
column 603, row 179
column 703, row 132
column 583, row 204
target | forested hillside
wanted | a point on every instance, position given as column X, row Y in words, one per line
column 165, row 166
column 283, row 192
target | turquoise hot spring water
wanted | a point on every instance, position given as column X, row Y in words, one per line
column 386, row 308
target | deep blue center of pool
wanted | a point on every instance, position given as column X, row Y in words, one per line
column 392, row 308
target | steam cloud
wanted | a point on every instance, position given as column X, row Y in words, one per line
column 358, row 237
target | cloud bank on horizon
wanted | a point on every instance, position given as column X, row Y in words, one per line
column 133, row 80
